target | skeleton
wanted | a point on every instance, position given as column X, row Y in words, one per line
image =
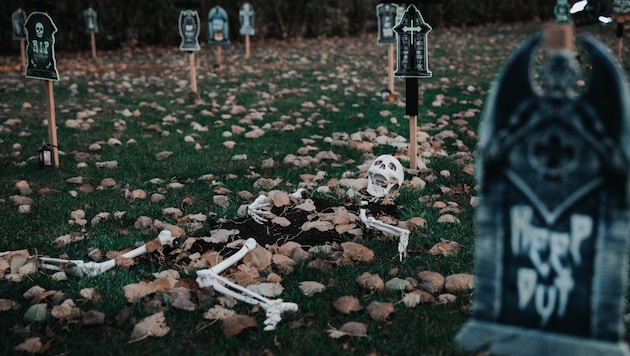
column 92, row 269
column 385, row 173
column 39, row 30
column 210, row 277
column 403, row 234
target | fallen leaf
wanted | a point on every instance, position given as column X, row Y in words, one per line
column 34, row 345
column 371, row 282
column 279, row 198
column 432, row 282
column 446, row 298
column 66, row 310
column 320, row 225
column 352, row 328
column 8, row 304
column 445, row 248
column 235, row 324
column 347, row 304
column 136, row 291
column 93, row 317
column 380, row 311
column 357, row 253
column 154, row 325
column 309, row 287
column 458, row 283
column 218, row 312
column 267, row 289
column 179, row 298
column 398, row 284
column 36, row 312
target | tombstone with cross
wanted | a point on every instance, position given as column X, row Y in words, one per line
column 553, row 219
column 412, row 58
column 246, row 17
column 189, row 30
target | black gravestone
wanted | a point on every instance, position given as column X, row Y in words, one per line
column 218, row 29
column 386, row 16
column 18, row 19
column 247, row 19
column 189, row 30
column 412, row 47
column 552, row 219
column 40, row 47
column 90, row 19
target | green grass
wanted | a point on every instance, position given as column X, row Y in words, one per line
column 347, row 74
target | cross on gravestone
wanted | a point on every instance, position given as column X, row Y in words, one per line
column 553, row 218
column 386, row 14
column 246, row 16
column 18, row 18
column 412, row 49
column 189, row 30
column 218, row 29
column 40, row 47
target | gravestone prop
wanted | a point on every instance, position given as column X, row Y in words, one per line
column 40, row 49
column 620, row 14
column 189, row 30
column 386, row 18
column 218, row 30
column 552, row 219
column 562, row 12
column 91, row 27
column 18, row 19
column 412, row 60
column 247, row 19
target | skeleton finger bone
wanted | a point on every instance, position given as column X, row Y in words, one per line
column 255, row 209
column 403, row 234
column 211, row 277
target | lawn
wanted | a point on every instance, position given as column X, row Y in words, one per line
column 297, row 114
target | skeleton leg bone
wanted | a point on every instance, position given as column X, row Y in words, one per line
column 92, row 269
column 403, row 234
column 211, row 277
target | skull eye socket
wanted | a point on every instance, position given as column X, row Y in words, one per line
column 392, row 166
column 377, row 163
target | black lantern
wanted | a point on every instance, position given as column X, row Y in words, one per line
column 45, row 155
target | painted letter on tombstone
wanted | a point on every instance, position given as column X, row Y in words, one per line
column 412, row 48
column 246, row 16
column 91, row 23
column 218, row 29
column 40, row 47
column 553, row 214
column 189, row 30
column 18, row 19
column 386, row 14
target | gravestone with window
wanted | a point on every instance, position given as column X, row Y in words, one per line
column 553, row 213
column 189, row 30
column 562, row 12
column 40, row 47
column 218, row 29
column 246, row 17
column 412, row 45
column 18, row 19
column 386, row 14
column 91, row 23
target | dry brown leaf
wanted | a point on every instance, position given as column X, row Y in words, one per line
column 448, row 218
column 347, row 304
column 380, row 311
column 154, row 325
column 283, row 263
column 218, row 312
column 371, row 282
column 179, row 298
column 266, row 289
column 310, row 287
column 259, row 257
column 352, row 328
column 357, row 253
column 123, row 262
column 417, row 222
column 320, row 225
column 458, row 283
column 446, row 298
column 280, row 198
column 432, row 282
column 33, row 292
column 93, row 317
column 445, row 248
column 235, row 324
column 8, row 304
column 66, row 310
column 136, row 291
column 34, row 345
column 308, row 205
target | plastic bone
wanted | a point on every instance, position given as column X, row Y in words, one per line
column 255, row 209
column 92, row 269
column 385, row 173
column 210, row 277
column 403, row 234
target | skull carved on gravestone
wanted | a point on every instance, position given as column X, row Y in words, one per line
column 385, row 173
column 39, row 29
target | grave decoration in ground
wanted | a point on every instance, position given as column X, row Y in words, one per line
column 218, row 30
column 18, row 19
column 40, row 51
column 412, row 63
column 247, row 18
column 620, row 14
column 189, row 27
column 562, row 12
column 552, row 218
column 387, row 19
column 91, row 27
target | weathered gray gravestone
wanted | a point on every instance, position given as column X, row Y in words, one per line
column 189, row 30
column 18, row 18
column 553, row 214
column 218, row 29
column 386, row 16
column 562, row 12
column 90, row 19
column 247, row 18
column 40, row 46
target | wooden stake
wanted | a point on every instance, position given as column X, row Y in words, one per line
column 93, row 36
column 411, row 109
column 51, row 118
column 247, row 49
column 413, row 142
column 390, row 69
column 23, row 54
column 193, row 72
column 219, row 59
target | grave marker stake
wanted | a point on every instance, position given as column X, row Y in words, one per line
column 246, row 17
column 218, row 30
column 193, row 72
column 18, row 18
column 91, row 27
column 390, row 68
column 620, row 14
column 52, row 120
column 189, row 32
column 23, row 54
column 247, row 47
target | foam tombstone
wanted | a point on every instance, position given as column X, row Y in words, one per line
column 40, row 46
column 552, row 219
column 247, row 18
column 189, row 30
column 218, row 28
column 18, row 18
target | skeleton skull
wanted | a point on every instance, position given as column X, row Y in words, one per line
column 39, row 29
column 385, row 173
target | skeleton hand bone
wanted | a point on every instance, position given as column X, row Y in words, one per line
column 403, row 234
column 255, row 209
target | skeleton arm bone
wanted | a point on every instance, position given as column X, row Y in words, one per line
column 92, row 269
column 211, row 277
column 403, row 234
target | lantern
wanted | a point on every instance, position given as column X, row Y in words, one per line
column 45, row 155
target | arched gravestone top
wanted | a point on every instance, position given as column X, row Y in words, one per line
column 91, row 20
column 40, row 47
column 189, row 30
column 218, row 29
column 387, row 15
column 412, row 47
column 621, row 7
column 18, row 19
column 247, row 18
column 553, row 214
